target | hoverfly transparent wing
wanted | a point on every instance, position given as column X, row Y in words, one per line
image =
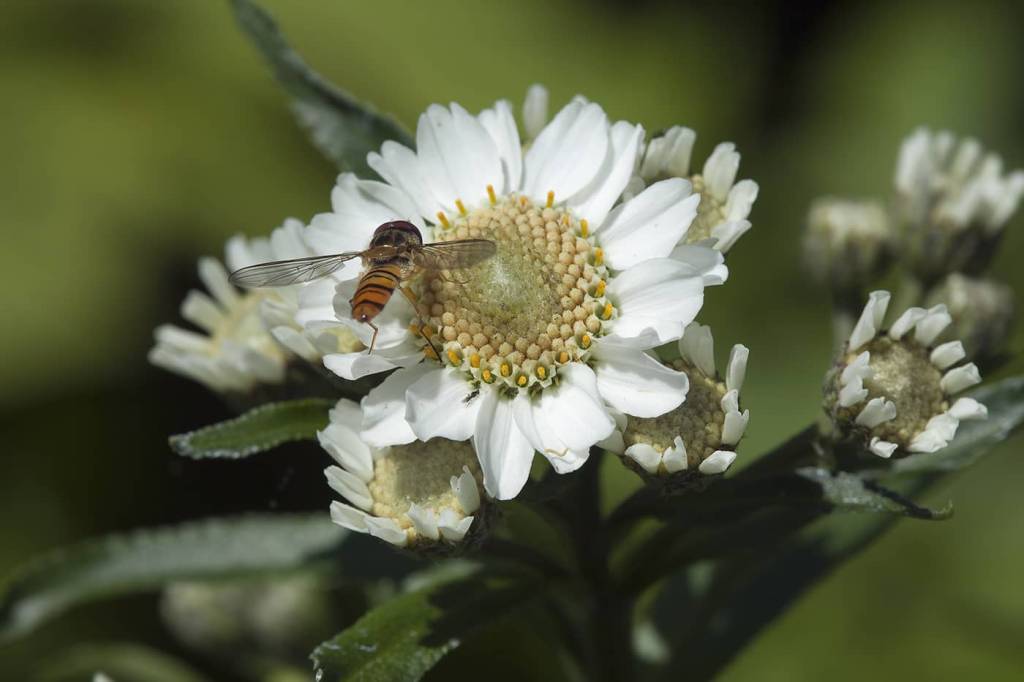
column 282, row 273
column 454, row 255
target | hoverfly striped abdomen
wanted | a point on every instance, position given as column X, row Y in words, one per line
column 384, row 274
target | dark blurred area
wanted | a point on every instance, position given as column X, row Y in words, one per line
column 139, row 135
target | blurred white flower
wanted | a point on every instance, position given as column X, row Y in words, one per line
column 416, row 495
column 701, row 434
column 847, row 242
column 541, row 342
column 895, row 387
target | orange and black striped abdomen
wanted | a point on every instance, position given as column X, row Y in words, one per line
column 375, row 288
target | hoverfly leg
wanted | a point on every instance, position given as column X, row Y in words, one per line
column 373, row 339
column 411, row 297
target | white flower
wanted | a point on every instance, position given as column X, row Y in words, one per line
column 982, row 312
column 847, row 242
column 539, row 342
column 701, row 434
column 724, row 205
column 418, row 494
column 954, row 200
column 236, row 352
column 896, row 387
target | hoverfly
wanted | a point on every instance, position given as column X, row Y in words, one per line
column 396, row 254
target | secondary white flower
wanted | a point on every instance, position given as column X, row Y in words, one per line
column 701, row 434
column 725, row 204
column 417, row 495
column 895, row 387
column 982, row 312
column 954, row 200
column 236, row 352
column 847, row 242
column 538, row 341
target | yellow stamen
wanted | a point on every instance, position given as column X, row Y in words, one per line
column 487, row 376
column 522, row 380
column 428, row 351
column 606, row 314
column 565, row 219
column 551, row 199
column 524, row 201
column 585, row 341
column 598, row 256
column 491, row 195
column 599, row 289
column 454, row 358
column 505, row 369
column 474, row 361
column 542, row 372
column 584, row 228
column 427, row 330
column 414, row 329
column 563, row 357
column 461, row 206
column 444, row 219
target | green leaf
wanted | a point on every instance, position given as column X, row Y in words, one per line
column 258, row 430
column 146, row 560
column 121, row 662
column 405, row 637
column 850, row 492
column 341, row 127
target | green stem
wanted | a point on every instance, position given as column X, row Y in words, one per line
column 609, row 613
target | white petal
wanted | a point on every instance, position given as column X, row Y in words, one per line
column 634, row 383
column 387, row 530
column 948, row 354
column 649, row 225
column 674, row 459
column 400, row 166
column 669, row 154
column 594, row 201
column 734, row 427
column 200, row 310
column 944, row 425
column 960, row 378
column 535, row 110
column 350, row 486
column 905, row 322
column 657, row 295
column 466, row 491
column 968, row 408
column 349, row 517
column 295, row 342
column 453, row 528
column 354, row 366
column 882, row 448
column 424, row 521
column 933, row 324
column 504, row 453
column 215, row 279
column 436, row 406
column 717, row 462
column 698, row 346
column 728, row 233
column 568, row 153
column 500, row 124
column 647, row 457
column 458, row 157
column 870, row 320
column 341, row 440
column 741, row 199
column 316, row 303
column 720, row 170
column 705, row 260
column 736, row 370
column 877, row 411
column 852, row 392
column 858, row 369
column 383, row 419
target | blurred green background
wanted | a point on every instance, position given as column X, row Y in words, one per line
column 138, row 135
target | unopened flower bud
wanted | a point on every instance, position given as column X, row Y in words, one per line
column 700, row 436
column 847, row 243
column 982, row 312
column 895, row 388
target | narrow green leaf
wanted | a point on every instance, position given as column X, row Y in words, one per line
column 121, row 662
column 148, row 559
column 849, row 492
column 258, row 430
column 342, row 128
column 405, row 637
